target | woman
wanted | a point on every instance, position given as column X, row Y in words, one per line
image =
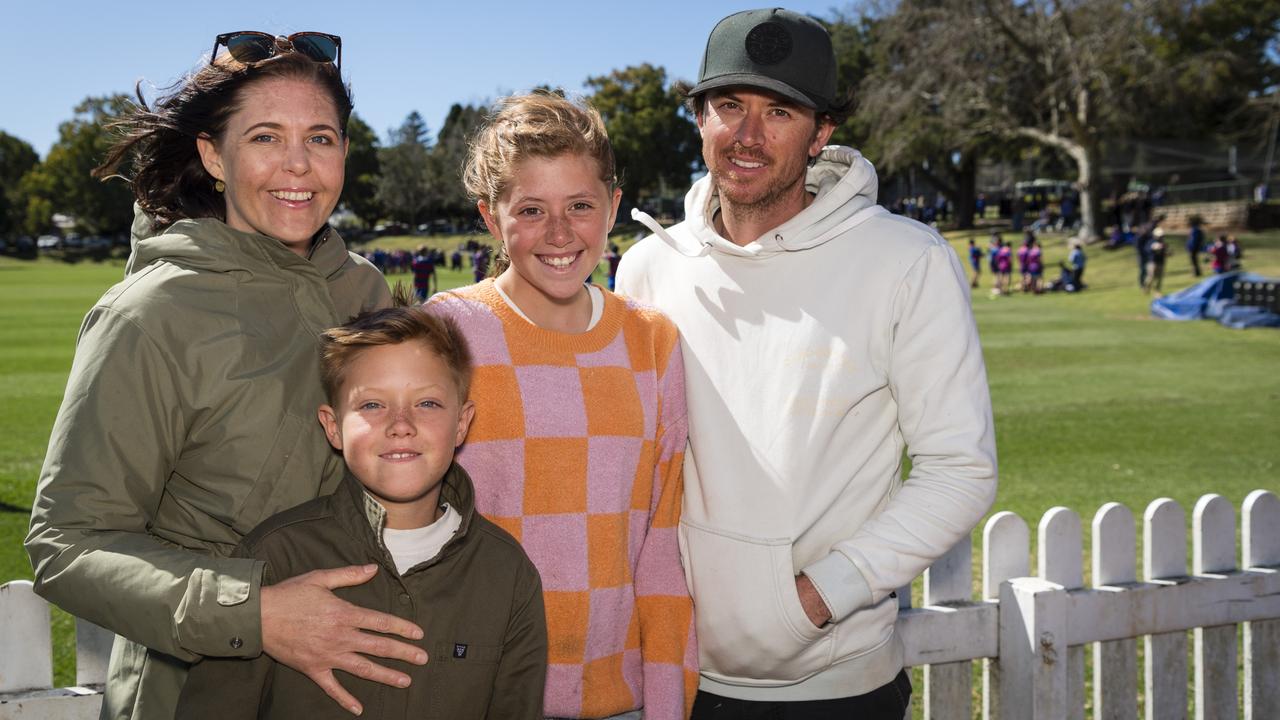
column 580, row 422
column 189, row 414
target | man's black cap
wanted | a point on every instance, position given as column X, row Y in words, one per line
column 773, row 49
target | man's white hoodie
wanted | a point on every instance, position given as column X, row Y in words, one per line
column 813, row 355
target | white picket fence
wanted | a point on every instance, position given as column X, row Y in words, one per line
column 1029, row 632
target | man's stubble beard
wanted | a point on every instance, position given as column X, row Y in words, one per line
column 776, row 193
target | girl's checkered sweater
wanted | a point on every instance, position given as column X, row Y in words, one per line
column 576, row 450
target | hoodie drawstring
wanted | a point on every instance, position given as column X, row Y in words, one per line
column 644, row 219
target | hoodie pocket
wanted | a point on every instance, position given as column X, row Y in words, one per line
column 750, row 624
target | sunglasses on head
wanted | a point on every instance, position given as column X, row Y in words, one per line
column 250, row 46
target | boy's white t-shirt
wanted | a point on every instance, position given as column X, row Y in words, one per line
column 415, row 545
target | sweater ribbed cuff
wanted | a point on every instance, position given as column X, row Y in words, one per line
column 840, row 584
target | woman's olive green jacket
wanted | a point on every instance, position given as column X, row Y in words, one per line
column 189, row 416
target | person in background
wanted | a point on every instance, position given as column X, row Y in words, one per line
column 1157, row 252
column 1031, row 263
column 1076, row 261
column 1234, row 253
column 993, row 249
column 975, row 262
column 1221, row 255
column 189, row 416
column 1195, row 243
column 424, row 273
column 1004, row 268
column 611, row 259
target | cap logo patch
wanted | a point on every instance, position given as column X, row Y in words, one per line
column 768, row 43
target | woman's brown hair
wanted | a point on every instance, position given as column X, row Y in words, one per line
column 158, row 144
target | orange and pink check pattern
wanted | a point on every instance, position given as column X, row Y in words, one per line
column 576, row 450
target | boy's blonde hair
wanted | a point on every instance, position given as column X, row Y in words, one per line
column 406, row 322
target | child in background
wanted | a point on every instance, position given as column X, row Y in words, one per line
column 580, row 423
column 1234, row 253
column 975, row 262
column 1004, row 267
column 1157, row 252
column 1221, row 255
column 397, row 383
column 424, row 273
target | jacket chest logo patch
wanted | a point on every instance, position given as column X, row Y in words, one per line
column 459, row 651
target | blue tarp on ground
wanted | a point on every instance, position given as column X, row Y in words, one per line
column 1213, row 298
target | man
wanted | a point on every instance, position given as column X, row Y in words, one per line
column 1195, row 242
column 821, row 335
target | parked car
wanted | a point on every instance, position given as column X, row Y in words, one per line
column 48, row 242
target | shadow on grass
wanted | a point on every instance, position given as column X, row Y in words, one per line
column 6, row 507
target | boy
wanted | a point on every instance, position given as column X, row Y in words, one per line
column 397, row 383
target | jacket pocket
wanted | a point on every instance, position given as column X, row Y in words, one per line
column 464, row 675
column 750, row 624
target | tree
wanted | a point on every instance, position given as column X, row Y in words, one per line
column 654, row 141
column 412, row 130
column 852, row 40
column 901, row 113
column 449, row 155
column 17, row 157
column 62, row 183
column 1225, row 59
column 407, row 187
column 1065, row 76
column 360, row 190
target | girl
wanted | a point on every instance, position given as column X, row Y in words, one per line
column 580, row 426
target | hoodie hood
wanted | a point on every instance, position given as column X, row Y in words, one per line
column 211, row 245
column 844, row 185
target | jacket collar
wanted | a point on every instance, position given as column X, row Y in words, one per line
column 364, row 518
column 210, row 244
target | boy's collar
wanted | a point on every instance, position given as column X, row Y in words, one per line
column 456, row 490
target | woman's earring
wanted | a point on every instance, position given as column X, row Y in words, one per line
column 219, row 186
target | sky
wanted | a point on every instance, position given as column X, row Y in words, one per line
column 398, row 56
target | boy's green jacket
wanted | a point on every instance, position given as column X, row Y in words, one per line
column 188, row 418
column 478, row 602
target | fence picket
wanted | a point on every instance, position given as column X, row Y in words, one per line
column 93, row 651
column 24, row 623
column 947, row 686
column 1060, row 558
column 1261, row 638
column 1115, row 663
column 1033, row 635
column 1164, row 548
column 1213, row 551
column 1005, row 540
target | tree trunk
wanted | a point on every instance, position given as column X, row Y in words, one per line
column 1087, row 155
column 1089, row 161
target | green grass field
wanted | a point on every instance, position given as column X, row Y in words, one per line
column 1094, row 400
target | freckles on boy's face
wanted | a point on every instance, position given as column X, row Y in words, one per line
column 397, row 421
